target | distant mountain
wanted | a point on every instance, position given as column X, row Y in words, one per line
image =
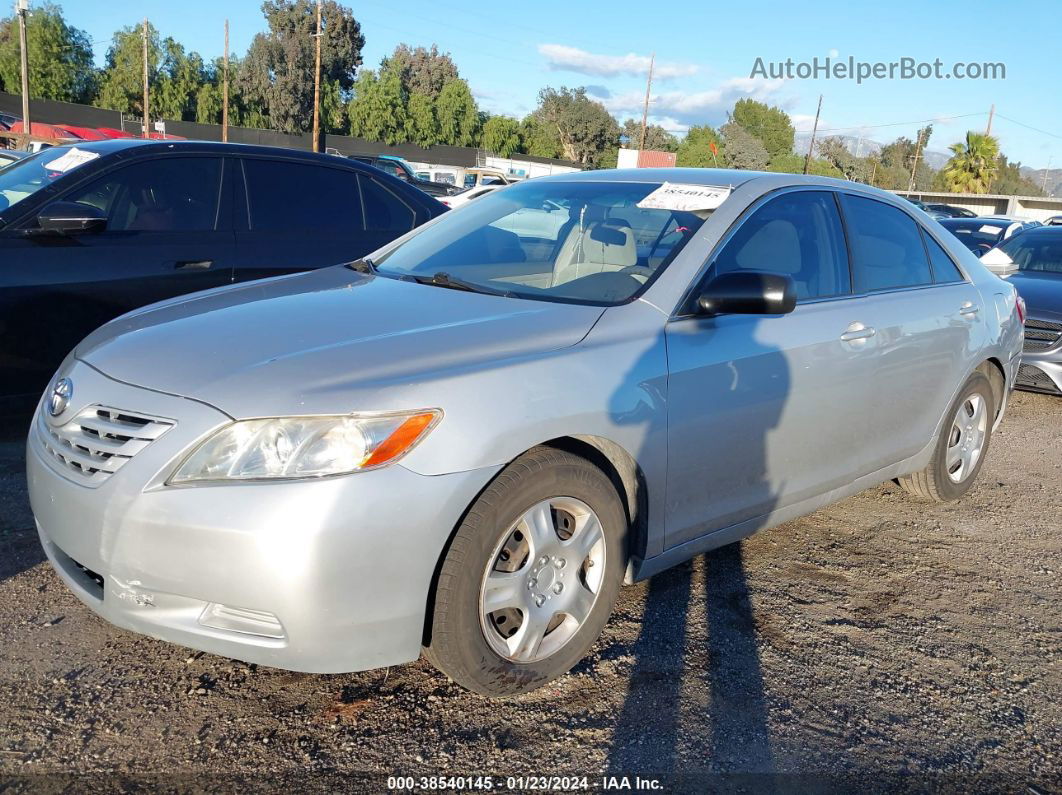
column 1054, row 178
column 864, row 147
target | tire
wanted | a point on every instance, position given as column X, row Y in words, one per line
column 937, row 482
column 498, row 558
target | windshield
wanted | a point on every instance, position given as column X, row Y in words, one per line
column 1037, row 252
column 975, row 233
column 583, row 242
column 27, row 176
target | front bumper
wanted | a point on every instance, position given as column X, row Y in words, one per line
column 344, row 564
column 1041, row 364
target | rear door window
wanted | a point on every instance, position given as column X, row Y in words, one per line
column 283, row 194
column 887, row 249
column 384, row 211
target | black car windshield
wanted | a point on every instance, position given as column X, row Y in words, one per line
column 21, row 180
column 975, row 233
column 581, row 242
column 1041, row 251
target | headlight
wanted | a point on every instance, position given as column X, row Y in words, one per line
column 305, row 447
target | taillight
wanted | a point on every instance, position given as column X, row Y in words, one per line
column 1020, row 304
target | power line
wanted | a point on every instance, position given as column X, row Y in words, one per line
column 1028, row 126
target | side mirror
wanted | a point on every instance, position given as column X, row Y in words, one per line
column 748, row 293
column 71, row 218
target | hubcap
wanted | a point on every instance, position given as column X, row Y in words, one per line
column 969, row 429
column 542, row 580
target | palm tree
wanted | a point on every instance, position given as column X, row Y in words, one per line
column 973, row 164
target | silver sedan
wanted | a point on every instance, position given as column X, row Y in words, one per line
column 465, row 445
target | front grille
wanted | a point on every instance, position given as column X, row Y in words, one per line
column 1030, row 377
column 1041, row 335
column 99, row 441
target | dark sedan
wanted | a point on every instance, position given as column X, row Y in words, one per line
column 982, row 233
column 91, row 231
column 1032, row 262
column 951, row 211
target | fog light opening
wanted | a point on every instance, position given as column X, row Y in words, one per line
column 242, row 620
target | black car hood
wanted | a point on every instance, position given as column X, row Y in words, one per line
column 1042, row 293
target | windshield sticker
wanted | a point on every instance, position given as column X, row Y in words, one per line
column 71, row 160
column 679, row 196
column 989, row 230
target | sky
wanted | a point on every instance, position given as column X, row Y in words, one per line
column 705, row 57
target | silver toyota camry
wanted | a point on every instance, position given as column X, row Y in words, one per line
column 465, row 444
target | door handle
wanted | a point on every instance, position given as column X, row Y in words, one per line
column 194, row 265
column 857, row 331
column 969, row 308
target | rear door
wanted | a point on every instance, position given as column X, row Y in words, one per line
column 168, row 232
column 296, row 215
column 925, row 318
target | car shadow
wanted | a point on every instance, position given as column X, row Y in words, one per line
column 20, row 548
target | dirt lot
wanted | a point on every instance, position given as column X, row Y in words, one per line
column 877, row 644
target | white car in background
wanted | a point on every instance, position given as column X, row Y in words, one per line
column 461, row 199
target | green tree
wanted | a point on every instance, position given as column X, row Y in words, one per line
column 423, row 126
column 121, row 82
column 538, row 138
column 656, row 137
column 60, row 57
column 378, row 110
column 423, row 71
column 457, row 114
column 770, row 125
column 180, row 76
column 743, row 150
column 696, row 148
column 501, row 135
column 275, row 79
column 1010, row 182
column 585, row 130
column 973, row 164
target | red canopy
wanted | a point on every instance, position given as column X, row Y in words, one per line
column 42, row 130
column 110, row 132
column 86, row 133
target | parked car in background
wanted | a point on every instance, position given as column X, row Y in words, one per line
column 464, row 197
column 91, row 231
column 983, row 232
column 1054, row 220
column 8, row 119
column 9, row 156
column 1032, row 262
column 951, row 211
column 400, row 169
column 926, row 209
column 468, row 443
column 476, row 177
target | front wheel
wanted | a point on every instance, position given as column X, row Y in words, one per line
column 961, row 447
column 531, row 576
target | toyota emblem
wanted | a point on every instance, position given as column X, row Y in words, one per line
column 60, row 397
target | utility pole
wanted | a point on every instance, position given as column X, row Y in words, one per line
column 991, row 113
column 645, row 108
column 317, row 83
column 147, row 109
column 914, row 165
column 814, row 130
column 225, row 90
column 22, row 6
column 1043, row 187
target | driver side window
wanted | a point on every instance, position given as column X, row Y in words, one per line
column 168, row 194
column 796, row 234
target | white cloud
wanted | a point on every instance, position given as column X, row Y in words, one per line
column 572, row 59
column 696, row 107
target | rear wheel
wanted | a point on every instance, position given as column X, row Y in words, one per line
column 531, row 576
column 961, row 447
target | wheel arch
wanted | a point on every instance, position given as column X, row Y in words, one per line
column 997, row 377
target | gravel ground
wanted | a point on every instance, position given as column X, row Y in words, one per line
column 880, row 643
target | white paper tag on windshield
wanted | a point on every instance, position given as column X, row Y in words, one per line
column 70, row 160
column 680, row 196
column 988, row 229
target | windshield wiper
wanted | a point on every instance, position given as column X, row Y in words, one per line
column 363, row 265
column 443, row 279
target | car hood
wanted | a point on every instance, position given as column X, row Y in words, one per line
column 1042, row 293
column 321, row 341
